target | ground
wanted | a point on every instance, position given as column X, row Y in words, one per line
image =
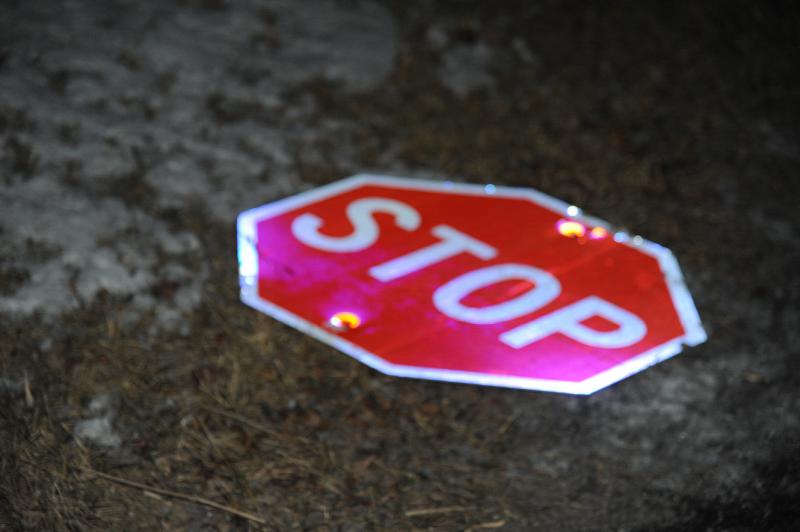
column 132, row 133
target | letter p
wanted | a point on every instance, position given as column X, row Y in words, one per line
column 568, row 321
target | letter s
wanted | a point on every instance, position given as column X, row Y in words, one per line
column 365, row 230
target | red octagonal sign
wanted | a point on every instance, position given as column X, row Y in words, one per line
column 466, row 283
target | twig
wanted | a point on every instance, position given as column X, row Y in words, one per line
column 241, row 419
column 28, row 394
column 490, row 524
column 433, row 511
column 174, row 495
column 253, row 424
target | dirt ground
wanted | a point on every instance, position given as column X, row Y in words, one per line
column 132, row 133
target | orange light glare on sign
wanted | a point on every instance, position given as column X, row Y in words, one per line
column 571, row 228
column 345, row 321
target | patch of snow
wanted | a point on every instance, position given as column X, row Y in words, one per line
column 465, row 68
column 437, row 37
column 96, row 244
column 211, row 122
column 523, row 51
column 98, row 429
column 350, row 43
column 10, row 386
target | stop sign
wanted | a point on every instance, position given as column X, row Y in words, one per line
column 466, row 283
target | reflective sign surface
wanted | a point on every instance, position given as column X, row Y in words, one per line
column 466, row 283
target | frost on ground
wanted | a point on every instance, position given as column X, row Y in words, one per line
column 465, row 68
column 217, row 122
column 353, row 46
column 96, row 244
column 465, row 61
column 98, row 429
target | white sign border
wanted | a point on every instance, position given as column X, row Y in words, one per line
column 682, row 299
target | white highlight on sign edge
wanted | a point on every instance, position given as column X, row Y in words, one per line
column 682, row 299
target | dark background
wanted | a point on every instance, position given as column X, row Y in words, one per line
column 131, row 133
